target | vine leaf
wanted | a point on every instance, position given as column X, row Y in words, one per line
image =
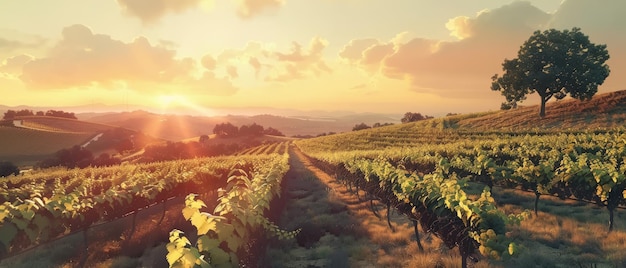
column 206, row 244
column 7, row 233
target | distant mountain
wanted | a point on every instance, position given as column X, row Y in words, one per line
column 179, row 127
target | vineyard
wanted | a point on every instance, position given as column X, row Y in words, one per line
column 46, row 205
column 456, row 185
column 425, row 174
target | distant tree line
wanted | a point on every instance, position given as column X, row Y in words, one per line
column 228, row 130
column 8, row 169
column 412, row 117
column 78, row 157
column 362, row 126
column 11, row 114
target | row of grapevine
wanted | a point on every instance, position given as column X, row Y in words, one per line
column 38, row 207
column 239, row 217
column 270, row 148
column 587, row 166
column 436, row 200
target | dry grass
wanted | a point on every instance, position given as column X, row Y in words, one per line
column 603, row 111
column 24, row 146
column 566, row 233
column 368, row 242
column 58, row 124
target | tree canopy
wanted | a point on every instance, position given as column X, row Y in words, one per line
column 11, row 114
column 553, row 63
column 412, row 117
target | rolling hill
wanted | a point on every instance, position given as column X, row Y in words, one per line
column 180, row 127
column 27, row 140
column 602, row 111
column 606, row 110
column 23, row 146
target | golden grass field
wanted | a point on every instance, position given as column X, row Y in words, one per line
column 23, row 146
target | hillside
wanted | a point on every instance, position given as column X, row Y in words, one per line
column 26, row 146
column 58, row 124
column 180, row 127
column 29, row 139
column 602, row 111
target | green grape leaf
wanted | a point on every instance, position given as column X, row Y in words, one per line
column 206, row 244
column 21, row 224
column 31, row 233
column 234, row 242
column 219, row 256
column 225, row 231
column 28, row 214
column 234, row 259
column 7, row 233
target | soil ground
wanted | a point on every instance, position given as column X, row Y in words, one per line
column 338, row 229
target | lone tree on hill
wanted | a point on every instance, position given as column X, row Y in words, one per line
column 553, row 63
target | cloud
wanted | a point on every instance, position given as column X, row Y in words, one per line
column 458, row 68
column 150, row 11
column 256, row 64
column 209, row 84
column 300, row 63
column 85, row 59
column 250, row 8
column 208, row 62
column 273, row 65
column 353, row 51
column 14, row 64
column 231, row 70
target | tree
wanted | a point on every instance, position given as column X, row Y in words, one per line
column 76, row 156
column 553, row 63
column 10, row 114
column 273, row 132
column 203, row 138
column 360, row 127
column 8, row 168
column 226, row 130
column 60, row 114
column 412, row 117
column 251, row 130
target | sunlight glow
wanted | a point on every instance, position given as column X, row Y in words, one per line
column 178, row 104
column 166, row 101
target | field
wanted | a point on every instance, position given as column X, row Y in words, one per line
column 456, row 191
column 26, row 146
column 57, row 124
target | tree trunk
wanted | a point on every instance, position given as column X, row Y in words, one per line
column 389, row 218
column 610, row 219
column 542, row 112
column 537, row 194
column 417, row 236
column 463, row 260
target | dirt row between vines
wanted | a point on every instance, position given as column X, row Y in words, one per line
column 339, row 230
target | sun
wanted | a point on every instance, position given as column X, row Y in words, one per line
column 166, row 101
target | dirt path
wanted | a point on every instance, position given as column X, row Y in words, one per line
column 339, row 230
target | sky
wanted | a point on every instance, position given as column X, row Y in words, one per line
column 381, row 56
